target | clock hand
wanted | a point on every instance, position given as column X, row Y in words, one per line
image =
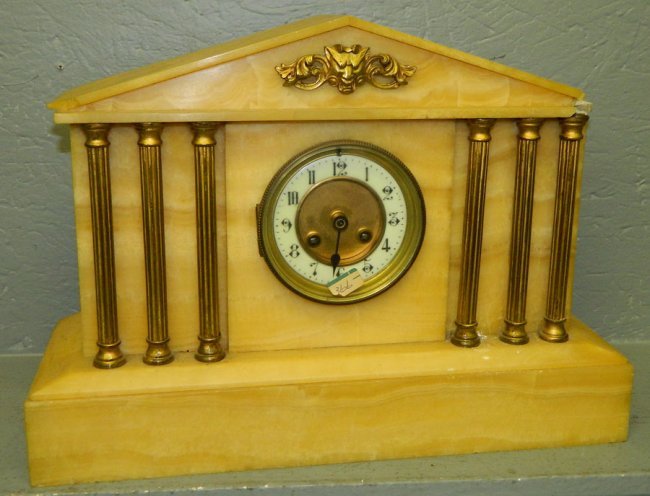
column 336, row 258
column 340, row 223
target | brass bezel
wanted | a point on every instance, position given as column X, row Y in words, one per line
column 389, row 275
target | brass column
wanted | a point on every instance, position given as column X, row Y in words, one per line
column 571, row 135
column 479, row 137
column 108, row 355
column 522, row 214
column 153, row 228
column 209, row 348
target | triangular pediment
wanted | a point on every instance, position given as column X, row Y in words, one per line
column 238, row 80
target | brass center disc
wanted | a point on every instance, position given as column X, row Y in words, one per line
column 330, row 199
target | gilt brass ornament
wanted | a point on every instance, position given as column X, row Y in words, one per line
column 209, row 349
column 109, row 354
column 571, row 134
column 153, row 229
column 514, row 331
column 346, row 68
column 466, row 333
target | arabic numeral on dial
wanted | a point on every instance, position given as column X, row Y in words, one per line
column 367, row 174
column 367, row 266
column 286, row 225
column 338, row 168
column 314, row 265
column 388, row 193
column 311, row 176
column 292, row 197
column 393, row 220
column 294, row 251
column 386, row 245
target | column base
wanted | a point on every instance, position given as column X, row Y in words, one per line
column 466, row 336
column 514, row 333
column 554, row 331
column 209, row 351
column 158, row 354
column 109, row 356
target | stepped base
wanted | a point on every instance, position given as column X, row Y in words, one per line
column 308, row 407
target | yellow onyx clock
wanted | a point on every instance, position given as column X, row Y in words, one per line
column 334, row 238
column 341, row 222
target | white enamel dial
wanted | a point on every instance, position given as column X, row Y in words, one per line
column 365, row 191
column 346, row 166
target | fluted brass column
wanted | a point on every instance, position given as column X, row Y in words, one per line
column 108, row 355
column 153, row 228
column 522, row 215
column 466, row 326
column 571, row 135
column 209, row 348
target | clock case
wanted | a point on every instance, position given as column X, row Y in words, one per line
column 379, row 379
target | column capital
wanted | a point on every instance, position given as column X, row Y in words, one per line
column 149, row 133
column 96, row 134
column 529, row 128
column 204, row 133
column 479, row 129
column 571, row 128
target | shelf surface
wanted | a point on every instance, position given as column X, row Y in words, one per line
column 615, row 469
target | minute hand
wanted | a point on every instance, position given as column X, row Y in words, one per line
column 340, row 223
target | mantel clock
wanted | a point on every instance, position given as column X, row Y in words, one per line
column 331, row 237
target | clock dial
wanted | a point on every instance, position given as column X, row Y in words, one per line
column 341, row 222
